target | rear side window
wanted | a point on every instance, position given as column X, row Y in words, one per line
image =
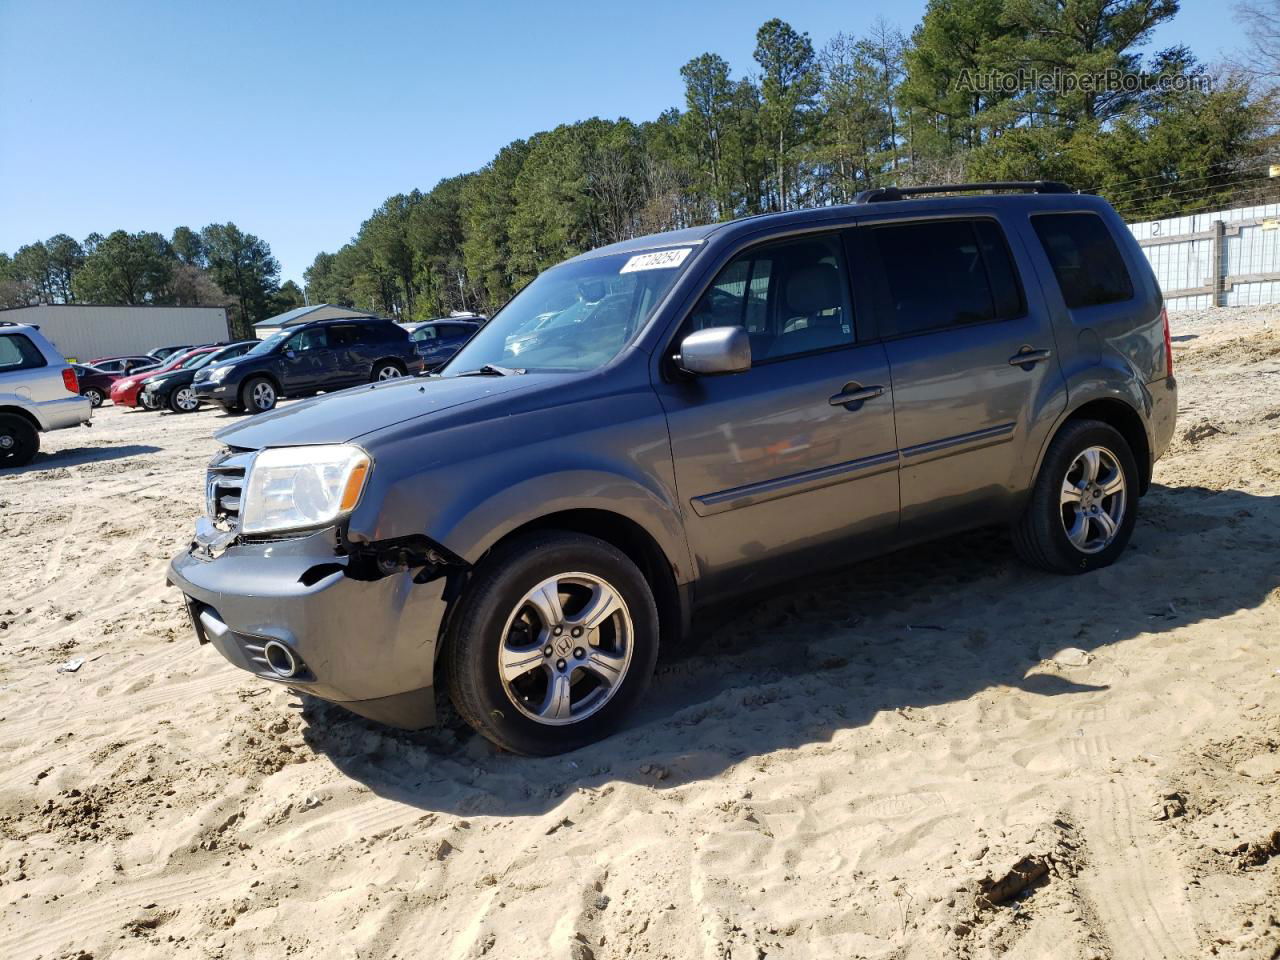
column 382, row 333
column 18, row 353
column 945, row 273
column 1084, row 257
column 344, row 336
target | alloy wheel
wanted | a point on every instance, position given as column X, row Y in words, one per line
column 264, row 396
column 1094, row 499
column 12, row 447
column 389, row 372
column 566, row 648
column 186, row 399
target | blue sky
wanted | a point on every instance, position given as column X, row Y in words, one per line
column 296, row 119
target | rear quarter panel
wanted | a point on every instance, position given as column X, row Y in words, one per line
column 1110, row 351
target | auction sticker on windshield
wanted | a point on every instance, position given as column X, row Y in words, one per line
column 661, row 260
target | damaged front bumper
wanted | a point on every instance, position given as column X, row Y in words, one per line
column 302, row 613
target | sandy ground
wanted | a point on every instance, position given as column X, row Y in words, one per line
column 939, row 754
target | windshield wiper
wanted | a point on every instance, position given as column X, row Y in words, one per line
column 493, row 370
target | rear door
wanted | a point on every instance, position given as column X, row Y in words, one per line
column 351, row 360
column 791, row 463
column 976, row 379
column 307, row 363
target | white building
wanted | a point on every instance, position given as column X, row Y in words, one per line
column 82, row 332
column 316, row 311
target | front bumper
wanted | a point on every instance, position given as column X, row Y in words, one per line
column 127, row 397
column 367, row 645
column 215, row 391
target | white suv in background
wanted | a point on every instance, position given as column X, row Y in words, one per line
column 38, row 392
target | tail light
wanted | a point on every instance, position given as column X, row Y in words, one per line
column 69, row 380
column 1168, row 343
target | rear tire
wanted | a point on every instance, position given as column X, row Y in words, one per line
column 95, row 397
column 1084, row 504
column 19, row 441
column 601, row 628
column 386, row 370
column 258, row 395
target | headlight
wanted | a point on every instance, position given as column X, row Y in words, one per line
column 298, row 488
column 219, row 373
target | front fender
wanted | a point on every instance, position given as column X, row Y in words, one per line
column 476, row 523
column 467, row 484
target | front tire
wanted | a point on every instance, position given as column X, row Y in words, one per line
column 19, row 441
column 258, row 395
column 1084, row 504
column 184, row 400
column 95, row 396
column 554, row 644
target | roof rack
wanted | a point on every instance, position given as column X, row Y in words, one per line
column 886, row 194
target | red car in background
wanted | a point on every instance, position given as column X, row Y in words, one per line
column 94, row 383
column 125, row 391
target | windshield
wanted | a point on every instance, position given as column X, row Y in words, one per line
column 269, row 344
column 201, row 361
column 574, row 317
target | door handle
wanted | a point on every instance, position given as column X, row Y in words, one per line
column 853, row 395
column 1027, row 357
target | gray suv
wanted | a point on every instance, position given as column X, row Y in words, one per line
column 702, row 414
column 38, row 392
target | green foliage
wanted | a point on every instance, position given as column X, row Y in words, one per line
column 243, row 267
column 218, row 266
column 287, row 297
column 814, row 128
column 789, row 85
column 126, row 268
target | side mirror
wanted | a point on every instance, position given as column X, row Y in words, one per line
column 715, row 351
column 291, row 354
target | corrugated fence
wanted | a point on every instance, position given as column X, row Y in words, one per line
column 1226, row 258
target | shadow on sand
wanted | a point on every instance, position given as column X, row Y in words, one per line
column 832, row 652
column 78, row 457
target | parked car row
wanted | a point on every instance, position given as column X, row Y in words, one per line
column 308, row 358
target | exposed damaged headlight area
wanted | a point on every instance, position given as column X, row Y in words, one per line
column 373, row 561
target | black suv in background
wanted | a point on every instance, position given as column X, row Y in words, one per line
column 173, row 388
column 308, row 358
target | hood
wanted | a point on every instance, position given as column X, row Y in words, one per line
column 348, row 414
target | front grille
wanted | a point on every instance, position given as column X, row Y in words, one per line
column 224, row 487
